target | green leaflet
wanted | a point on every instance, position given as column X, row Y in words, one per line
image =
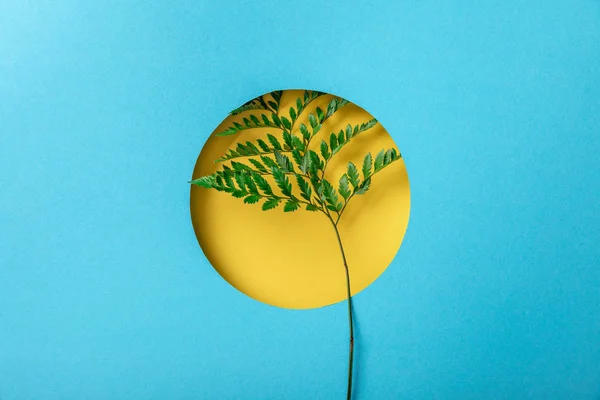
column 247, row 107
column 277, row 95
column 367, row 165
column 312, row 207
column 270, row 203
column 333, row 142
column 305, row 190
column 364, row 187
column 228, row 178
column 262, row 183
column 250, row 185
column 329, row 195
column 291, row 205
column 304, row 131
column 312, row 121
column 258, row 165
column 305, row 165
column 255, row 120
column 284, row 162
column 320, row 115
column 269, row 162
column 297, row 156
column 287, row 139
column 239, row 166
column 325, row 150
column 315, row 161
column 249, row 123
column 204, row 181
column 344, row 189
column 292, row 115
column 276, row 119
column 239, row 193
column 266, row 120
column 341, row 138
column 239, row 179
column 316, row 129
column 282, row 181
column 353, row 175
column 253, row 198
column 264, row 146
column 286, row 123
column 379, row 160
column 297, row 143
column 251, row 148
column 274, row 142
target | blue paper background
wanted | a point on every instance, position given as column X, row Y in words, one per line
column 105, row 105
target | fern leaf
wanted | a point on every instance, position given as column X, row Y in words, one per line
column 239, row 179
column 251, row 123
column 250, row 185
column 239, row 166
column 204, row 181
column 286, row 123
column 364, row 187
column 274, row 142
column 253, row 198
column 277, row 95
column 252, row 148
column 269, row 162
column 299, row 105
column 239, row 193
column 379, row 158
column 348, row 131
column 264, row 146
column 312, row 120
column 276, row 120
column 367, row 165
column 305, row 190
column 333, row 142
column 304, row 131
column 341, row 138
column 255, row 120
column 251, row 105
column 297, row 156
column 287, row 140
column 297, row 143
column 284, row 162
column 320, row 115
column 315, row 160
column 344, row 189
column 266, row 120
column 228, row 178
column 325, row 150
column 353, row 175
column 329, row 194
column 291, row 205
column 282, row 181
column 305, row 165
column 270, row 203
column 262, row 183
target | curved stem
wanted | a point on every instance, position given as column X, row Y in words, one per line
column 350, row 321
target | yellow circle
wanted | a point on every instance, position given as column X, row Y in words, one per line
column 292, row 259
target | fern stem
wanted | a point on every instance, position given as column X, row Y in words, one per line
column 350, row 321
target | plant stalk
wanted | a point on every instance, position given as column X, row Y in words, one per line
column 350, row 321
